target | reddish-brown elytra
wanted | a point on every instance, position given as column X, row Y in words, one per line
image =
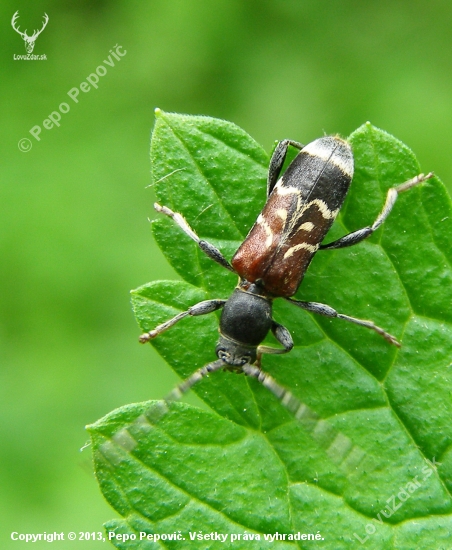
column 272, row 260
column 300, row 210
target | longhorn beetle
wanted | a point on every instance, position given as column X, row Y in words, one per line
column 273, row 259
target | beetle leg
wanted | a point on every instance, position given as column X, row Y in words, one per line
column 208, row 248
column 207, row 306
column 361, row 234
column 277, row 161
column 327, row 311
column 284, row 338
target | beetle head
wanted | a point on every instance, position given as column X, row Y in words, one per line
column 234, row 354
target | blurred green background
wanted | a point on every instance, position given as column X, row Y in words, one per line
column 74, row 231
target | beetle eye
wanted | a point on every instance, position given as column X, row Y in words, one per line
column 222, row 354
column 246, row 359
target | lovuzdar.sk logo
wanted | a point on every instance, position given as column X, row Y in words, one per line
column 29, row 40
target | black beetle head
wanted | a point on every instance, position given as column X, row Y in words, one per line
column 235, row 354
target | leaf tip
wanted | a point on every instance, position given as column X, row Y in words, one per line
column 157, row 111
column 90, row 428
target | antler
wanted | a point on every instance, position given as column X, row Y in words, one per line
column 13, row 23
column 24, row 34
column 46, row 20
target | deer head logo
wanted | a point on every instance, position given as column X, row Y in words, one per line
column 29, row 40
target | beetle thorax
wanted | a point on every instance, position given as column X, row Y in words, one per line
column 245, row 321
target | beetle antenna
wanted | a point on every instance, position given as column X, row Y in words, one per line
column 160, row 409
column 124, row 437
column 337, row 446
column 193, row 379
column 286, row 397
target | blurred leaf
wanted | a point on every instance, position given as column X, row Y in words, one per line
column 249, row 466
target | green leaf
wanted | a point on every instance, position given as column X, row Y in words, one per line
column 248, row 466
